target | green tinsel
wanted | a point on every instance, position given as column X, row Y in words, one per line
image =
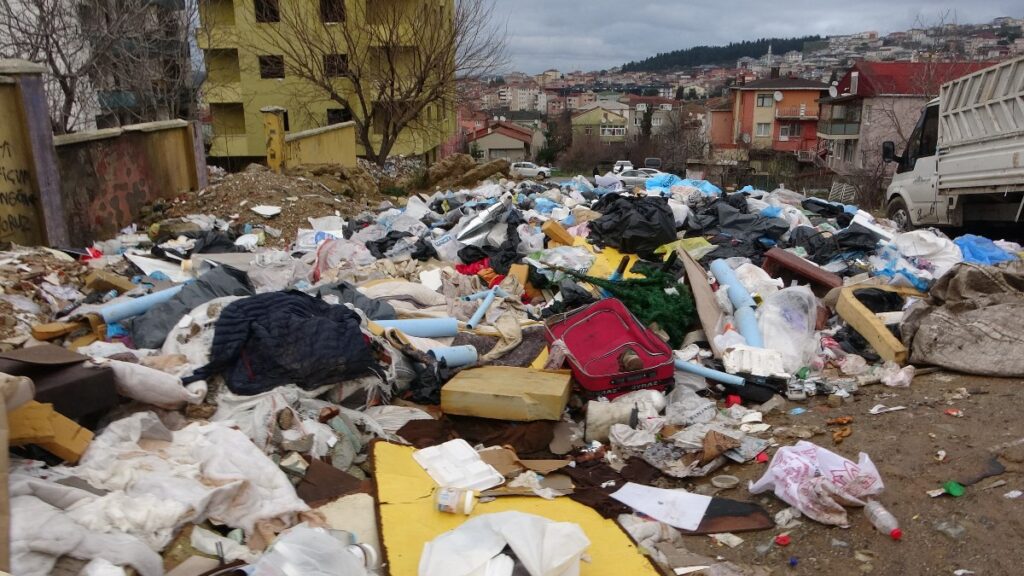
column 648, row 300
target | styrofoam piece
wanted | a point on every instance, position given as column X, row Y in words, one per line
column 455, row 464
column 266, row 211
column 756, row 361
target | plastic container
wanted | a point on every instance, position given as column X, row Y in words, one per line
column 455, row 500
column 882, row 520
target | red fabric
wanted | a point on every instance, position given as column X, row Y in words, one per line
column 472, row 269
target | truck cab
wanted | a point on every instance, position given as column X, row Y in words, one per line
column 911, row 199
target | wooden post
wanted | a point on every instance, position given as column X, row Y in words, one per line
column 273, row 128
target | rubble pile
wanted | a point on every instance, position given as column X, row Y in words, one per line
column 503, row 377
column 395, row 169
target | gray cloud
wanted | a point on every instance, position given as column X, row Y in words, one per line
column 595, row 34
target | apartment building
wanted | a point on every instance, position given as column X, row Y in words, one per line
column 246, row 72
column 597, row 122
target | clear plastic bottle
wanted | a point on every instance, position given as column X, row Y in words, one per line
column 882, row 519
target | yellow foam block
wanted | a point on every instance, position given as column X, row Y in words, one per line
column 408, row 519
column 606, row 260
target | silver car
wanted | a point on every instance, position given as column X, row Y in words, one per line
column 633, row 178
column 529, row 170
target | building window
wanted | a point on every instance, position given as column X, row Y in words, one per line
column 764, row 129
column 228, row 119
column 656, row 121
column 271, row 66
column 636, row 121
column 287, row 126
column 764, row 100
column 268, row 11
column 666, row 107
column 332, row 10
column 335, row 65
column 588, row 131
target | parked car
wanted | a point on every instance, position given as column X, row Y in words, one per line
column 651, row 171
column 652, row 163
column 632, row 178
column 622, row 165
column 529, row 170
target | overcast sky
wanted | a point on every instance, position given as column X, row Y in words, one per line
column 595, row 34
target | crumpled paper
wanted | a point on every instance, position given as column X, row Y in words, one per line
column 819, row 482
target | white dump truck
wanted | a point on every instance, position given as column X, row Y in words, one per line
column 964, row 161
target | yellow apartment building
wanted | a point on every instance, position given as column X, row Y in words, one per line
column 246, row 72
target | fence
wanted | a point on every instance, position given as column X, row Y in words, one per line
column 334, row 144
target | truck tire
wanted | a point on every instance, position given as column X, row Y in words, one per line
column 898, row 212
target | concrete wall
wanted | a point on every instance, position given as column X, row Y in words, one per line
column 335, row 144
column 107, row 176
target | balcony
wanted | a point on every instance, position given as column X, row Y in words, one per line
column 838, row 129
column 796, row 113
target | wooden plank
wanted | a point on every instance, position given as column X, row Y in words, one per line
column 712, row 320
column 556, row 232
column 54, row 330
column 31, row 424
column 870, row 326
column 507, row 393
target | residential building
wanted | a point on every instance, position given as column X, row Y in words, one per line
column 778, row 114
column 597, row 122
column 875, row 102
column 556, row 105
column 508, row 140
column 638, row 106
column 245, row 75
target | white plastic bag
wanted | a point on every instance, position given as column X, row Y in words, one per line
column 787, row 320
column 305, row 551
column 893, row 375
column 819, row 482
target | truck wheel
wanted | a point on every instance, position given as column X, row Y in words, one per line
column 900, row 214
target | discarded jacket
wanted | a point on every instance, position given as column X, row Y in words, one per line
column 279, row 338
column 633, row 225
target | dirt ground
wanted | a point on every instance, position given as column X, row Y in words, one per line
column 981, row 531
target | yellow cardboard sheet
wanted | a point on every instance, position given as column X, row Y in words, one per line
column 607, row 260
column 408, row 519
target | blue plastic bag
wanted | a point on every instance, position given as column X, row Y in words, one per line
column 981, row 250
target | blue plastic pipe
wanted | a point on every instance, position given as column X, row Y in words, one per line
column 117, row 311
column 746, row 324
column 455, row 356
column 709, row 373
column 424, row 327
column 738, row 295
column 481, row 310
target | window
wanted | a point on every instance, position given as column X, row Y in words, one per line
column 666, row 107
column 335, row 65
column 338, row 115
column 922, row 141
column 656, row 121
column 228, row 119
column 271, row 66
column 588, row 131
column 764, row 129
column 287, row 126
column 784, row 131
column 268, row 11
column 332, row 10
column 636, row 121
column 764, row 100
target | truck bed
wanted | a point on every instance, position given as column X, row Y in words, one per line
column 981, row 131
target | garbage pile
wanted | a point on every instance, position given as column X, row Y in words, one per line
column 505, row 378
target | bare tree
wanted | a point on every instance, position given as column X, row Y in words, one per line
column 123, row 47
column 392, row 65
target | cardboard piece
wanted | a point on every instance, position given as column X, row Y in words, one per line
column 37, row 423
column 507, row 393
column 556, row 232
column 54, row 330
column 870, row 326
column 712, row 320
column 557, row 482
column 409, row 519
column 104, row 281
column 507, row 462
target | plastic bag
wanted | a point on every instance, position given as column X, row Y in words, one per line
column 928, row 250
column 787, row 320
column 305, row 551
column 981, row 250
column 819, row 482
column 756, row 280
column 690, row 409
column 893, row 375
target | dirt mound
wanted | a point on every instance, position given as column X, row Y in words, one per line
column 302, row 193
column 450, row 169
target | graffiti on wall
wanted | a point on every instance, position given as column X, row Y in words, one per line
column 19, row 219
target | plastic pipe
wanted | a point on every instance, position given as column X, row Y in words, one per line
column 715, row 375
column 746, row 324
column 117, row 311
column 738, row 295
column 424, row 327
column 481, row 310
column 454, row 356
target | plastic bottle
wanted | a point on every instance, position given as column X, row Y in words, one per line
column 882, row 520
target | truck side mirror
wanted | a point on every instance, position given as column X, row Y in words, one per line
column 888, row 151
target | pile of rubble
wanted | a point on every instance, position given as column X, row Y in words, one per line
column 456, row 385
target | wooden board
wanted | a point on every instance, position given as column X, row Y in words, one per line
column 870, row 326
column 507, row 393
column 712, row 320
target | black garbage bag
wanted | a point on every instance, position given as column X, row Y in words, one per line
column 748, row 227
column 379, row 247
column 633, row 225
column 821, row 247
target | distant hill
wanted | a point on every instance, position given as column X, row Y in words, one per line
column 731, row 52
